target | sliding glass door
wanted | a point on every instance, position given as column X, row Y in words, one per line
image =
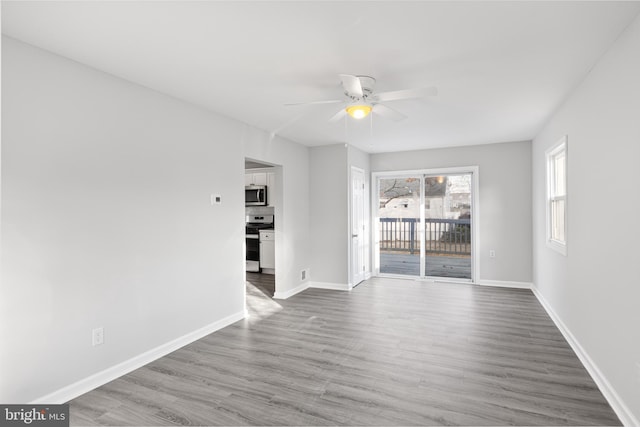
column 447, row 215
column 399, row 207
column 425, row 225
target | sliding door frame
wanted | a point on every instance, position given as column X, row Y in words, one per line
column 475, row 217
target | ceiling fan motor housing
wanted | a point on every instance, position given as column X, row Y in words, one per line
column 367, row 83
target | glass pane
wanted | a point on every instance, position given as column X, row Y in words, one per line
column 448, row 225
column 559, row 179
column 399, row 213
column 557, row 220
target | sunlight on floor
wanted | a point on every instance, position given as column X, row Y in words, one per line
column 260, row 305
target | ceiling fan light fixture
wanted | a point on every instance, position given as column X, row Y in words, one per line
column 358, row 111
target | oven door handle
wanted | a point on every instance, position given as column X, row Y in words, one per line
column 253, row 236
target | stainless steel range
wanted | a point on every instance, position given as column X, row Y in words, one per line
column 253, row 225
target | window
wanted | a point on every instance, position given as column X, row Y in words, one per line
column 557, row 196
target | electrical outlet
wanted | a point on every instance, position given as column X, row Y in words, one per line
column 216, row 199
column 303, row 275
column 492, row 253
column 97, row 336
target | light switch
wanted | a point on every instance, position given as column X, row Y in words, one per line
column 216, row 199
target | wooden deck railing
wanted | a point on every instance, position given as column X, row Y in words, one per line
column 443, row 236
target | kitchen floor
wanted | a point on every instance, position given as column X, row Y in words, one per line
column 264, row 283
column 260, row 302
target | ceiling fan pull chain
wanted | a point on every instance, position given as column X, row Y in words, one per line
column 371, row 134
column 346, row 128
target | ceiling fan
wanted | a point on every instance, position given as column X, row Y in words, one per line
column 360, row 99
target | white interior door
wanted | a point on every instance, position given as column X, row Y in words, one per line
column 357, row 226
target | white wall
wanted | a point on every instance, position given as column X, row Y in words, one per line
column 328, row 216
column 107, row 221
column 593, row 290
column 330, row 213
column 291, row 209
column 504, row 200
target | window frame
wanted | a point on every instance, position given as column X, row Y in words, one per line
column 560, row 148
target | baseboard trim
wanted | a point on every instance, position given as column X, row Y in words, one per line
column 617, row 404
column 506, row 284
column 94, row 381
column 331, row 285
column 291, row 292
column 368, row 275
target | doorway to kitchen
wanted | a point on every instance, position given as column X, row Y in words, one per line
column 425, row 225
column 263, row 195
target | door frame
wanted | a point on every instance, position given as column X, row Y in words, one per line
column 475, row 217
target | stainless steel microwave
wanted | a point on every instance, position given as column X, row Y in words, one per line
column 255, row 195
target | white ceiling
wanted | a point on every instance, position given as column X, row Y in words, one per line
column 502, row 68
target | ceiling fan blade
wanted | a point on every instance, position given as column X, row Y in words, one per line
column 388, row 113
column 340, row 114
column 407, row 94
column 330, row 101
column 351, row 85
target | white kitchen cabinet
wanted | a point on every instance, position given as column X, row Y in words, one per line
column 271, row 188
column 257, row 178
column 267, row 249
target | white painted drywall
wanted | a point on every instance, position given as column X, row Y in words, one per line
column 328, row 216
column 593, row 290
column 504, row 200
column 330, row 212
column 107, row 220
column 291, row 208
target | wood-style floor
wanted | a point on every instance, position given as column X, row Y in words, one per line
column 437, row 265
column 390, row 352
